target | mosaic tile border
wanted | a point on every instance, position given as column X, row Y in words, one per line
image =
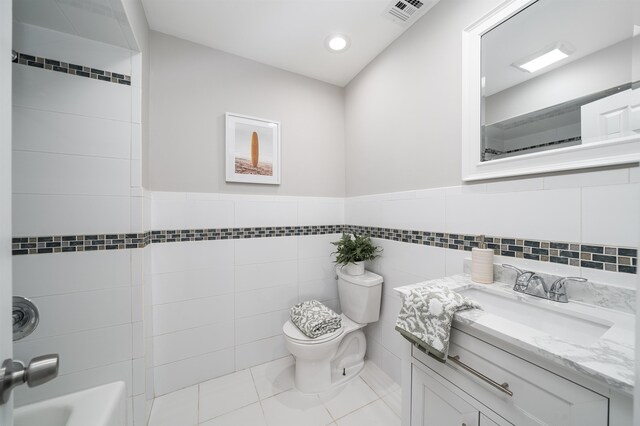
column 602, row 257
column 72, row 69
column 606, row 258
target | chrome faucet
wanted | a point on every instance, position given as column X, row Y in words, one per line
column 530, row 283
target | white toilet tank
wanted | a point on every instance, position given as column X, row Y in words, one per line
column 360, row 295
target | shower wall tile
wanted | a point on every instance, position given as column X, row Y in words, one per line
column 37, row 276
column 47, row 43
column 48, row 131
column 83, row 350
column 44, row 173
column 38, row 214
column 75, row 312
column 51, row 91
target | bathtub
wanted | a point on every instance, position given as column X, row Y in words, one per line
column 99, row 406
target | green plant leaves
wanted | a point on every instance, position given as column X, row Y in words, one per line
column 355, row 248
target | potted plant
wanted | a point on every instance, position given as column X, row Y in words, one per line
column 352, row 250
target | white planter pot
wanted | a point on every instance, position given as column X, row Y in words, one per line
column 354, row 268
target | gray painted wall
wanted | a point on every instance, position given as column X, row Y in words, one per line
column 403, row 111
column 192, row 86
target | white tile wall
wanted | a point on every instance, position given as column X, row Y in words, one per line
column 239, row 291
column 591, row 207
column 77, row 171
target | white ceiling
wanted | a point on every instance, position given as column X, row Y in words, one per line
column 288, row 34
column 588, row 26
column 100, row 20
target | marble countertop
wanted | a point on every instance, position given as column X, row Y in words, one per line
column 610, row 359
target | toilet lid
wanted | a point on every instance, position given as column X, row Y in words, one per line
column 292, row 332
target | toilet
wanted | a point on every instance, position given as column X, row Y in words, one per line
column 335, row 358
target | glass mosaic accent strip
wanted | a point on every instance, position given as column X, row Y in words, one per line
column 606, row 258
column 72, row 69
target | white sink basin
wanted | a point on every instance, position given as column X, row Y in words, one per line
column 557, row 321
column 99, row 406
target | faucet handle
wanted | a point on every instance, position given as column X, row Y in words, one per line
column 558, row 290
column 522, row 279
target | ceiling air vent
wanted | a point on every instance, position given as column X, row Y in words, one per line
column 406, row 12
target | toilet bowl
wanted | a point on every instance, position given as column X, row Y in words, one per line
column 337, row 357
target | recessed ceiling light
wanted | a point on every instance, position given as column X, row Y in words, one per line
column 544, row 58
column 337, row 42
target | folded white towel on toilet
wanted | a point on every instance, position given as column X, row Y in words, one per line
column 314, row 319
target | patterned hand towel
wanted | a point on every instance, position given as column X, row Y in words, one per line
column 314, row 319
column 426, row 315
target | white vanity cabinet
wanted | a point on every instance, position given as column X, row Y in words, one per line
column 444, row 394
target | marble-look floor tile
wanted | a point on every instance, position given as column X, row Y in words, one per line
column 251, row 415
column 274, row 377
column 291, row 408
column 394, row 401
column 378, row 380
column 226, row 394
column 374, row 414
column 176, row 408
column 348, row 398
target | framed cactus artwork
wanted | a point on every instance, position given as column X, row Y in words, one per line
column 252, row 149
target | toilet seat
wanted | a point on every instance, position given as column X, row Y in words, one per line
column 294, row 334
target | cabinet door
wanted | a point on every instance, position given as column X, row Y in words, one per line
column 434, row 405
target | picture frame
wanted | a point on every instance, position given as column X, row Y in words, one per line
column 252, row 152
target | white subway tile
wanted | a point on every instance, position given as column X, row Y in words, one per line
column 82, row 350
column 193, row 284
column 610, row 215
column 48, row 131
column 266, row 300
column 250, row 329
column 265, row 213
column 264, row 275
column 42, row 173
column 515, row 185
column 137, row 303
column 523, row 214
column 37, row 215
column 319, row 268
column 183, row 256
column 138, row 377
column 138, row 340
column 320, row 211
column 177, row 316
column 177, row 375
column 316, row 245
column 324, row 289
column 185, row 344
column 425, row 213
column 597, row 178
column 66, row 47
column 136, row 174
column 73, row 312
column 260, row 351
column 54, row 91
column 61, row 273
column 262, row 250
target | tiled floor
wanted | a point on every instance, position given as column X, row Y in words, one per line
column 264, row 396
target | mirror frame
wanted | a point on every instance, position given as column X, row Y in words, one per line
column 623, row 150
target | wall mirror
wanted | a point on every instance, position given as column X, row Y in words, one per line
column 548, row 86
